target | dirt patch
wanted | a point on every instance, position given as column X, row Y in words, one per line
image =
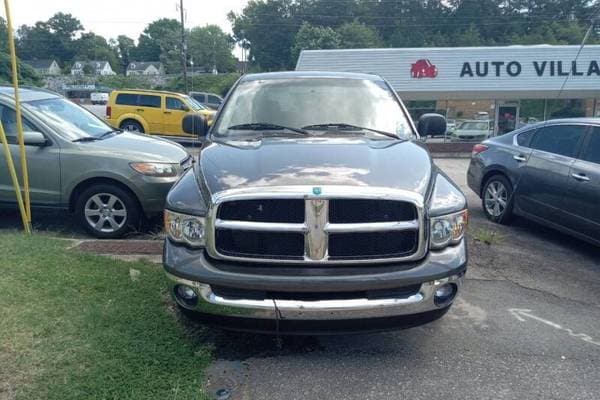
column 122, row 247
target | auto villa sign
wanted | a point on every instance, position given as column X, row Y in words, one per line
column 469, row 73
column 483, row 69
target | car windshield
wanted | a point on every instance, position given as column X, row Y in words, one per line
column 319, row 105
column 69, row 119
column 194, row 103
column 474, row 126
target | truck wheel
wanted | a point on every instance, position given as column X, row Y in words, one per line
column 130, row 125
column 107, row 211
column 497, row 199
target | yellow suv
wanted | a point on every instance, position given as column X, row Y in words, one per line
column 152, row 112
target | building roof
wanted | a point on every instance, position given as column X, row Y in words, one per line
column 39, row 64
column 97, row 64
column 143, row 65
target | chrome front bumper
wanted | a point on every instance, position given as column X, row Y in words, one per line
column 351, row 309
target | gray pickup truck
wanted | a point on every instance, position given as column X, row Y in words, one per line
column 314, row 208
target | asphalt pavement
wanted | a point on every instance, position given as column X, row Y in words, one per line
column 526, row 326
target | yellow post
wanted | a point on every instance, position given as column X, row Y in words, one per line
column 15, row 180
column 15, row 77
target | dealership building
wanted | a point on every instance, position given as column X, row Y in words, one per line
column 512, row 85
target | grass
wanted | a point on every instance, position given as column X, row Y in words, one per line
column 75, row 325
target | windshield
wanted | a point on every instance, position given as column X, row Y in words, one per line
column 68, row 119
column 309, row 102
column 474, row 126
column 194, row 103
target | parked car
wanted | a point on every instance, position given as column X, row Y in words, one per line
column 314, row 208
column 152, row 112
column 99, row 98
column 210, row 100
column 548, row 172
column 450, row 126
column 473, row 130
column 109, row 179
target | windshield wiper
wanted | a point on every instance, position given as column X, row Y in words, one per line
column 266, row 126
column 347, row 127
column 85, row 139
column 105, row 134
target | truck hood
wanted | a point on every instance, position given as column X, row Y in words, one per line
column 138, row 148
column 360, row 162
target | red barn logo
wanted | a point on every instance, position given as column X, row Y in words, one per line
column 423, row 69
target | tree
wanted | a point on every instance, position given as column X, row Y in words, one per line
column 270, row 27
column 210, row 48
column 357, row 35
column 90, row 46
column 161, row 40
column 27, row 75
column 124, row 47
column 50, row 39
column 315, row 37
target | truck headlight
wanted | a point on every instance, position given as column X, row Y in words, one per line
column 183, row 228
column 162, row 170
column 448, row 229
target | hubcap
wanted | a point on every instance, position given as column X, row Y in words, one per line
column 496, row 198
column 105, row 212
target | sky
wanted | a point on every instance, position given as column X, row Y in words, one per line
column 111, row 18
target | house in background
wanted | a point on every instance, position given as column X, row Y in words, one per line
column 45, row 67
column 98, row 68
column 145, row 68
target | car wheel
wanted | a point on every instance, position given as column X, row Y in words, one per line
column 132, row 126
column 107, row 211
column 496, row 199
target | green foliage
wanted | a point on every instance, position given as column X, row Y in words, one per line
column 161, row 40
column 271, row 27
column 315, row 37
column 209, row 47
column 357, row 35
column 219, row 84
column 27, row 75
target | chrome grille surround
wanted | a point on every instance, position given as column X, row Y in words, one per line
column 316, row 227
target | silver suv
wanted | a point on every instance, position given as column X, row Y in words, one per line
column 109, row 179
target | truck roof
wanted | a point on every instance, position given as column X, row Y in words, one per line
column 310, row 74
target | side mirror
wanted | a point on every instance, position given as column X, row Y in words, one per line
column 34, row 139
column 431, row 124
column 194, row 125
column 185, row 108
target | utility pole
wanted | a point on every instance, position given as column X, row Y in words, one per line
column 183, row 46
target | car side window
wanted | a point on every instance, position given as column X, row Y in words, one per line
column 9, row 122
column 127, row 99
column 592, row 151
column 175, row 104
column 559, row 139
column 213, row 100
column 149, row 101
column 523, row 139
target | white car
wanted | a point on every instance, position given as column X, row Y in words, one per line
column 474, row 130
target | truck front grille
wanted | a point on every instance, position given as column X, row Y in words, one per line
column 316, row 230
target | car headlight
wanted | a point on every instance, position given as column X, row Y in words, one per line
column 448, row 229
column 183, row 228
column 163, row 170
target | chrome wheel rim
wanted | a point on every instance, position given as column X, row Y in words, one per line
column 496, row 198
column 105, row 212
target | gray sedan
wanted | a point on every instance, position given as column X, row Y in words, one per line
column 547, row 172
